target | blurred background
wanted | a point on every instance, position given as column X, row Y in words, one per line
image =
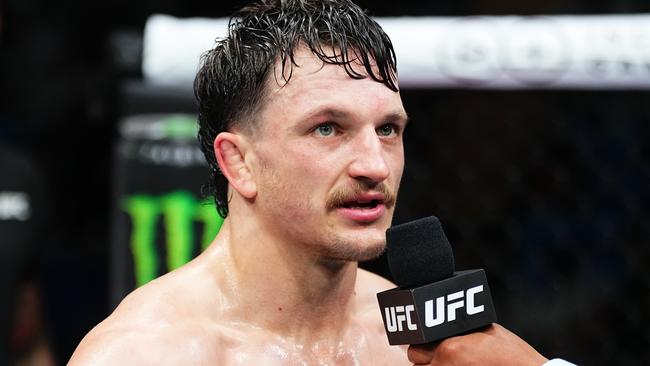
column 545, row 189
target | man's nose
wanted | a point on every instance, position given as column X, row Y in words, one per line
column 369, row 160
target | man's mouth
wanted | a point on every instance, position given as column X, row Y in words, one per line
column 362, row 204
column 365, row 208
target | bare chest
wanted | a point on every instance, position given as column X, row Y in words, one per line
column 261, row 349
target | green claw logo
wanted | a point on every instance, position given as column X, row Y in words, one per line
column 180, row 211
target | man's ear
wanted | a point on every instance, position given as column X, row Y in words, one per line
column 230, row 149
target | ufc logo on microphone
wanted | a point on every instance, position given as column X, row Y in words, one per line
column 397, row 315
column 454, row 301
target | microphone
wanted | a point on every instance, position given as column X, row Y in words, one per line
column 431, row 302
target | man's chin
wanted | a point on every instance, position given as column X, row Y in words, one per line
column 370, row 255
column 354, row 251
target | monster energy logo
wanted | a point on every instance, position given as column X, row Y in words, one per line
column 179, row 210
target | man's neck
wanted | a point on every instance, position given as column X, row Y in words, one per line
column 280, row 287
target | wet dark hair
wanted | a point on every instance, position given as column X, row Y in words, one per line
column 230, row 85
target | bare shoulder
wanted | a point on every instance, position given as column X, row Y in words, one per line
column 109, row 344
column 371, row 283
column 370, row 320
column 123, row 344
column 367, row 287
column 151, row 325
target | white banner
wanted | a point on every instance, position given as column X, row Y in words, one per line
column 510, row 52
column 172, row 47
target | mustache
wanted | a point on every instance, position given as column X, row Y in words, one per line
column 346, row 194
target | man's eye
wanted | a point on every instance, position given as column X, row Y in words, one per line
column 326, row 129
column 386, row 130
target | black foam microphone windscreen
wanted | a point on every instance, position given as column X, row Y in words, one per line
column 418, row 253
column 432, row 301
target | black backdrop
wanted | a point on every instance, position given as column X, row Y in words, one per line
column 545, row 190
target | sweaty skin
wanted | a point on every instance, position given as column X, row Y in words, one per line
column 312, row 192
column 187, row 317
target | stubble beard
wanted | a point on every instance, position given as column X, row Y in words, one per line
column 332, row 246
column 356, row 249
column 339, row 249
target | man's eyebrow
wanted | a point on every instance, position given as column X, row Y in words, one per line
column 398, row 116
column 335, row 113
column 329, row 112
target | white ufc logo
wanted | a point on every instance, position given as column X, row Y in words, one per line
column 397, row 315
column 454, row 302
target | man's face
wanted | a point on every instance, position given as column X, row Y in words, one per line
column 328, row 159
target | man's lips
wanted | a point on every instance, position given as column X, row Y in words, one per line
column 365, row 200
column 363, row 214
column 360, row 195
column 365, row 207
